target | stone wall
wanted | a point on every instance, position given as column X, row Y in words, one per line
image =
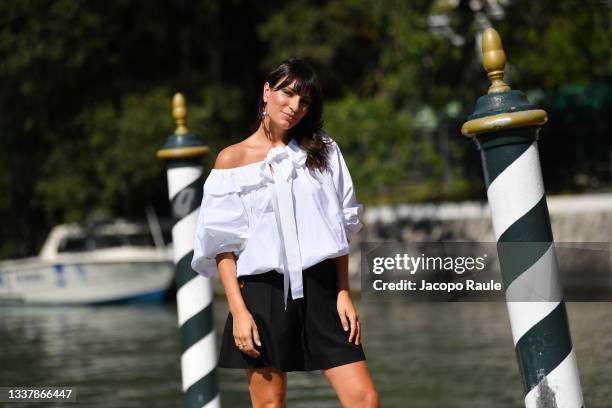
column 583, row 218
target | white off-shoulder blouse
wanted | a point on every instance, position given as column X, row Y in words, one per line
column 277, row 214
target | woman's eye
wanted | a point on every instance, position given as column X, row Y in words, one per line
column 287, row 92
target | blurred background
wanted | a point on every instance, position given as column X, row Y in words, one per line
column 86, row 90
column 85, row 93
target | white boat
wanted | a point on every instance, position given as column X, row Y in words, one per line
column 112, row 263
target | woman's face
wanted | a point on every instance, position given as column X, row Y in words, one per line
column 285, row 107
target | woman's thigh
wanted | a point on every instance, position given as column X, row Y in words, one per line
column 353, row 384
column 268, row 387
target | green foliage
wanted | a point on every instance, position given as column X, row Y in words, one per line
column 114, row 160
column 551, row 43
column 111, row 159
column 389, row 161
column 86, row 90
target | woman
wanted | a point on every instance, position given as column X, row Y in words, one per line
column 277, row 214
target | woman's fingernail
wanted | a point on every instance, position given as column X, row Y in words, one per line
column 345, row 328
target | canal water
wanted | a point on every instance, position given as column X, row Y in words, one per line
column 421, row 355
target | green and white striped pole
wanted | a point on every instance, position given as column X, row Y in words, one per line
column 505, row 128
column 183, row 152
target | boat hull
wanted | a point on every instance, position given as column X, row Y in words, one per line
column 73, row 282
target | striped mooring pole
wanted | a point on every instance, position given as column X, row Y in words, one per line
column 183, row 153
column 505, row 128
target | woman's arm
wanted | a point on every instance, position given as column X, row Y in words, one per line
column 346, row 309
column 244, row 328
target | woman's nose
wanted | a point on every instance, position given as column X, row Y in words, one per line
column 294, row 103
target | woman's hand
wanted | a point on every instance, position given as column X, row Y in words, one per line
column 348, row 316
column 245, row 333
column 244, row 327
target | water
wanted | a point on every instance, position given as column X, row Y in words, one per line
column 420, row 355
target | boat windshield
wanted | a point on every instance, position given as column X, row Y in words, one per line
column 79, row 243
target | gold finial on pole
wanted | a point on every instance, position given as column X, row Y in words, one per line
column 182, row 144
column 494, row 60
column 179, row 113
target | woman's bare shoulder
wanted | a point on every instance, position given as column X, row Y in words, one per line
column 246, row 152
column 230, row 157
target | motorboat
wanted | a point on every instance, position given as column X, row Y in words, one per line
column 111, row 262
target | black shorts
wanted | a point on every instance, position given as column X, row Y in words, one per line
column 307, row 336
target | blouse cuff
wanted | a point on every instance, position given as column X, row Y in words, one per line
column 352, row 222
column 204, row 255
column 236, row 248
column 206, row 264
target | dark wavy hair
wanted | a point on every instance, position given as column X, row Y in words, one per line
column 307, row 132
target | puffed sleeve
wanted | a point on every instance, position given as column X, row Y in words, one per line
column 222, row 222
column 343, row 182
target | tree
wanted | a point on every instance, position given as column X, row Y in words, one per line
column 86, row 89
